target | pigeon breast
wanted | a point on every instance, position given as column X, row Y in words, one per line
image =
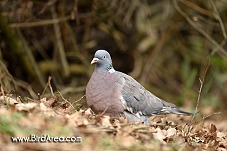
column 103, row 93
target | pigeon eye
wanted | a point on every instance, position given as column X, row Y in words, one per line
column 104, row 56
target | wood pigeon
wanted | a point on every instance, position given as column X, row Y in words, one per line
column 118, row 94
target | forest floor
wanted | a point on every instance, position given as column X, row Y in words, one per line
column 45, row 124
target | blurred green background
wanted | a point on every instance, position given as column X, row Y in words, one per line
column 166, row 45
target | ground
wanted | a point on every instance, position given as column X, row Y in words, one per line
column 43, row 118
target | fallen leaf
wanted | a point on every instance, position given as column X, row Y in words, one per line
column 171, row 132
column 160, row 135
column 25, row 106
column 49, row 102
column 8, row 100
column 105, row 121
column 46, row 111
column 88, row 112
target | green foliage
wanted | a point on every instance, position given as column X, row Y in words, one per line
column 8, row 125
column 5, row 126
column 189, row 75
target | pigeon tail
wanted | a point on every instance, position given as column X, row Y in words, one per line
column 171, row 110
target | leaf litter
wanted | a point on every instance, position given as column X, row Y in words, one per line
column 101, row 132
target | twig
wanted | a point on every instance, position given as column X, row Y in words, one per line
column 32, row 60
column 48, row 21
column 2, row 91
column 216, row 49
column 101, row 114
column 3, row 94
column 218, row 17
column 51, row 90
column 75, row 12
column 3, row 67
column 152, row 57
column 66, row 100
column 197, row 8
column 43, row 91
column 98, row 116
column 27, row 87
column 62, row 55
column 39, row 23
column 205, row 117
column 79, row 99
column 47, row 5
column 200, row 30
column 200, row 89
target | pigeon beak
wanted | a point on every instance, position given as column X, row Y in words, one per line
column 94, row 60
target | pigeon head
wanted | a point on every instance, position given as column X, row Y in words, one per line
column 102, row 61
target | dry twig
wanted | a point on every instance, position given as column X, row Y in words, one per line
column 51, row 89
column 66, row 100
column 200, row 30
column 200, row 90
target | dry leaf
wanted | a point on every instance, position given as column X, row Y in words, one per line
column 171, row 132
column 105, row 121
column 88, row 112
column 77, row 120
column 160, row 135
column 25, row 106
column 8, row 100
column 46, row 111
column 48, row 102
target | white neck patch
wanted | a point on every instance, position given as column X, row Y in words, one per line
column 111, row 70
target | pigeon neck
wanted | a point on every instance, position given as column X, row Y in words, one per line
column 108, row 68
